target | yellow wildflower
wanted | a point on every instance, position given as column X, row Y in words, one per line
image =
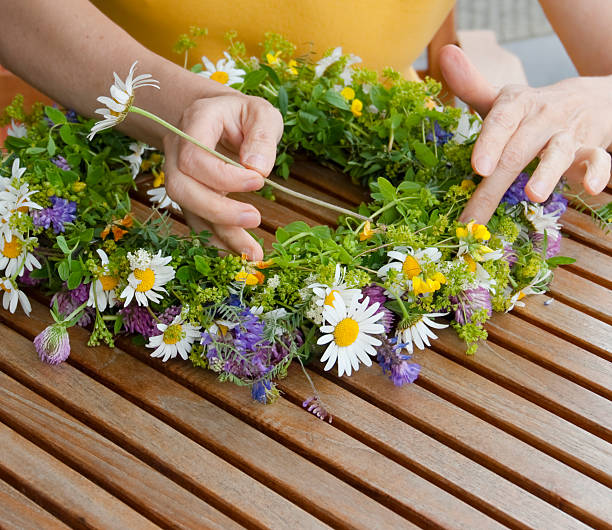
column 429, row 285
column 160, row 178
column 348, row 93
column 467, row 185
column 479, row 232
column 273, row 58
column 291, row 67
column 250, row 278
column 430, row 104
column 356, row 107
column 367, row 232
column 79, row 186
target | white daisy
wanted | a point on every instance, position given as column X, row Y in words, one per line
column 409, row 263
column 122, row 97
column 349, row 334
column 13, row 295
column 149, row 275
column 135, row 159
column 102, row 289
column 347, row 73
column 537, row 286
column 326, row 294
column 419, row 332
column 159, row 197
column 540, row 221
column 17, row 130
column 224, row 72
column 177, row 338
column 15, row 255
column 324, row 63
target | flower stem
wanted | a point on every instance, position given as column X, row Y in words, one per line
column 227, row 160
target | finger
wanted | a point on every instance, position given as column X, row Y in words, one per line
column 524, row 145
column 240, row 241
column 498, row 127
column 465, row 81
column 207, row 126
column 197, row 224
column 262, row 129
column 555, row 160
column 591, row 167
column 203, row 201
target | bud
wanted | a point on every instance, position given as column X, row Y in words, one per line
column 53, row 344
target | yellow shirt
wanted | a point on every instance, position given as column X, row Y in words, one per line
column 383, row 33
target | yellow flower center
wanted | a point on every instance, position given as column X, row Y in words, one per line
column 348, row 93
column 411, row 267
column 220, row 77
column 108, row 282
column 467, row 185
column 223, row 329
column 147, row 279
column 173, row 334
column 346, row 332
column 329, row 299
column 12, row 249
column 356, row 107
column 521, row 295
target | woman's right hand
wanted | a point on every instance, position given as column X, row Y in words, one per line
column 244, row 128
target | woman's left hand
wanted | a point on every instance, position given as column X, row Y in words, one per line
column 567, row 125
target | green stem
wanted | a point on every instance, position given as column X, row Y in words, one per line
column 227, row 160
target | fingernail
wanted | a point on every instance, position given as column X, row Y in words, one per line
column 248, row 219
column 484, row 165
column 256, row 162
column 538, row 187
column 253, row 184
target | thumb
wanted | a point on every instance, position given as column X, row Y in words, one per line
column 465, row 81
column 262, row 129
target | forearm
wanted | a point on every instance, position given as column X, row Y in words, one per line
column 584, row 29
column 69, row 50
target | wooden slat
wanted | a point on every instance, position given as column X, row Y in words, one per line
column 553, row 353
column 485, row 443
column 569, row 323
column 517, row 416
column 18, row 512
column 172, row 453
column 547, row 389
column 269, row 461
column 479, row 487
column 590, row 263
column 581, row 227
column 582, row 294
column 62, row 491
column 99, row 459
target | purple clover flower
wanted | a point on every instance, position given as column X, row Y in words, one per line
column 391, row 360
column 61, row 162
column 470, row 301
column 26, row 278
column 516, row 192
column 53, row 344
column 553, row 242
column 376, row 294
column 69, row 299
column 137, row 319
column 62, row 211
column 510, row 255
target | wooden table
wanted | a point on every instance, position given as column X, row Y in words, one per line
column 517, row 435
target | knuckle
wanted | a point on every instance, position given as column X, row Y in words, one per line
column 173, row 187
column 502, row 118
column 512, row 157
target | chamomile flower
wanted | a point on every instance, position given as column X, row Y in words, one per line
column 148, row 277
column 176, row 338
column 418, row 331
column 15, row 255
column 347, row 72
column 537, row 286
column 224, row 72
column 17, row 130
column 409, row 264
column 13, row 296
column 135, row 159
column 324, row 63
column 539, row 220
column 349, row 334
column 102, row 289
column 121, row 100
column 160, row 198
column 326, row 294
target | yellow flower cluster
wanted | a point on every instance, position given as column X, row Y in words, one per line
column 478, row 232
column 356, row 104
column 428, row 285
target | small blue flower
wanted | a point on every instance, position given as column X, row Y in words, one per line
column 62, row 211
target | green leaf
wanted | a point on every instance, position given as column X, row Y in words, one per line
column 424, row 154
column 63, row 270
column 283, row 100
column 51, row 147
column 387, row 189
column 271, row 73
column 87, row 235
column 118, row 324
column 74, row 280
column 61, row 243
column 297, row 227
column 322, row 232
column 560, row 260
column 197, row 68
column 185, row 273
column 55, row 115
column 336, row 100
column 67, row 135
column 281, row 235
column 253, row 79
column 202, row 265
column 35, row 150
column 306, row 120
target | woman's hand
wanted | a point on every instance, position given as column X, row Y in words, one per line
column 568, row 125
column 245, row 128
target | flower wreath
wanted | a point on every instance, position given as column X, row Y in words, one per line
column 376, row 287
